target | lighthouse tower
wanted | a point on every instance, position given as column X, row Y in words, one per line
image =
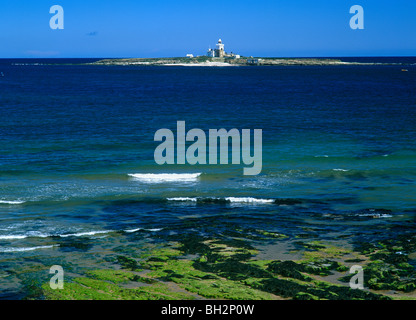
column 220, row 49
column 219, row 52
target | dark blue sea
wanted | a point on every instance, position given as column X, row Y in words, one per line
column 77, row 147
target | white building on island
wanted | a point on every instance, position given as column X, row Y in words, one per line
column 219, row 52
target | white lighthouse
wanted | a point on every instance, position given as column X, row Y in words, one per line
column 220, row 49
column 219, row 52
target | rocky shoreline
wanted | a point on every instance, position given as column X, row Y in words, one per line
column 191, row 266
column 206, row 61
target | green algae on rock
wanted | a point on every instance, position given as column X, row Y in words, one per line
column 196, row 267
column 107, row 285
column 128, row 263
column 387, row 267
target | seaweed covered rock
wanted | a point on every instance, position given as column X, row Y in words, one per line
column 318, row 290
column 233, row 270
column 388, row 268
column 128, row 263
column 323, row 267
column 379, row 275
column 288, row 269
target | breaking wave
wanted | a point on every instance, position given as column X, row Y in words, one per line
column 224, row 200
column 11, row 202
column 165, row 177
column 23, row 249
column 32, row 234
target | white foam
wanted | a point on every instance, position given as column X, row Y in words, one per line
column 138, row 229
column 229, row 199
column 165, row 177
column 344, row 170
column 133, row 230
column 30, row 234
column 248, row 200
column 82, row 234
column 183, row 199
column 11, row 202
column 35, row 234
column 23, row 249
column 11, row 237
column 376, row 215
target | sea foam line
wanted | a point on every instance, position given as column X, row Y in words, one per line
column 227, row 199
column 376, row 215
column 30, row 234
column 82, row 234
column 248, row 200
column 12, row 237
column 138, row 229
column 79, row 234
column 44, row 235
column 163, row 177
column 11, row 202
column 183, row 199
column 23, row 249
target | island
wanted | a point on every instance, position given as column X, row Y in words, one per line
column 210, row 61
column 219, row 57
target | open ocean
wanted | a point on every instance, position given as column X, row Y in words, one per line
column 339, row 154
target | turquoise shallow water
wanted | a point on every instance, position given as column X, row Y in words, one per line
column 338, row 142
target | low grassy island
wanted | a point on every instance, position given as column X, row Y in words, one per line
column 208, row 61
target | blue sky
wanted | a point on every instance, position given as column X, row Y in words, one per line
column 166, row 28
